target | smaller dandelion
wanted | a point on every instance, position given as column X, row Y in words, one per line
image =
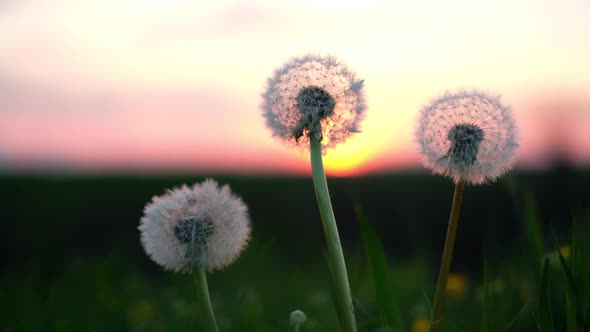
column 467, row 135
column 196, row 229
column 201, row 225
column 470, row 137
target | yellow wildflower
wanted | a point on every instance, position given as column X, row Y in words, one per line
column 421, row 325
column 456, row 285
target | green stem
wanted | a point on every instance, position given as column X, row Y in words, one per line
column 202, row 288
column 335, row 254
column 445, row 264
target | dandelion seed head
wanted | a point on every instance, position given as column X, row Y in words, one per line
column 314, row 94
column 193, row 229
column 465, row 140
column 204, row 225
column 467, row 135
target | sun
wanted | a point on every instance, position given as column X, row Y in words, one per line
column 347, row 159
column 343, row 166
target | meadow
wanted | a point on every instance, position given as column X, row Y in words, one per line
column 72, row 259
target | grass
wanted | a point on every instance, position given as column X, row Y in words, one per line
column 73, row 262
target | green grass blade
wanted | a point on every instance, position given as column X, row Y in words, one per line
column 579, row 268
column 581, row 264
column 573, row 300
column 545, row 319
column 379, row 267
column 570, row 312
column 514, row 325
column 586, row 274
column 532, row 225
column 486, row 298
column 575, row 247
column 586, row 325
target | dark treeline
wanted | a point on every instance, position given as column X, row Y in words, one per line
column 49, row 218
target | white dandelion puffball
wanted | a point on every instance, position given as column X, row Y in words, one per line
column 467, row 135
column 314, row 95
column 204, row 225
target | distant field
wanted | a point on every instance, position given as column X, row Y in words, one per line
column 72, row 261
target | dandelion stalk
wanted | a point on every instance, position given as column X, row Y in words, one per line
column 200, row 279
column 318, row 101
column 471, row 137
column 447, row 257
column 194, row 230
column 335, row 254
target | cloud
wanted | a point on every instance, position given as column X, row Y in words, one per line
column 120, row 78
column 17, row 96
column 41, row 120
column 233, row 21
column 555, row 126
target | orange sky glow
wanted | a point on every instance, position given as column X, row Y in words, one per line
column 127, row 85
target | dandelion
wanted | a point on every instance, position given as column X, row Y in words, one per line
column 314, row 95
column 204, row 226
column 470, row 137
column 553, row 257
column 195, row 229
column 318, row 101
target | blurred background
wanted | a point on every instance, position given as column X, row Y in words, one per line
column 104, row 104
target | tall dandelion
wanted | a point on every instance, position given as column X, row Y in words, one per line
column 470, row 137
column 318, row 102
column 194, row 230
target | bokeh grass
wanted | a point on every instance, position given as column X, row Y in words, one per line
column 72, row 260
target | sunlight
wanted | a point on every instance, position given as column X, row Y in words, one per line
column 343, row 164
column 207, row 62
column 349, row 158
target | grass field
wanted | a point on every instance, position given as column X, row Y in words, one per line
column 72, row 260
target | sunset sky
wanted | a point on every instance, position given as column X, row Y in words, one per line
column 154, row 85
